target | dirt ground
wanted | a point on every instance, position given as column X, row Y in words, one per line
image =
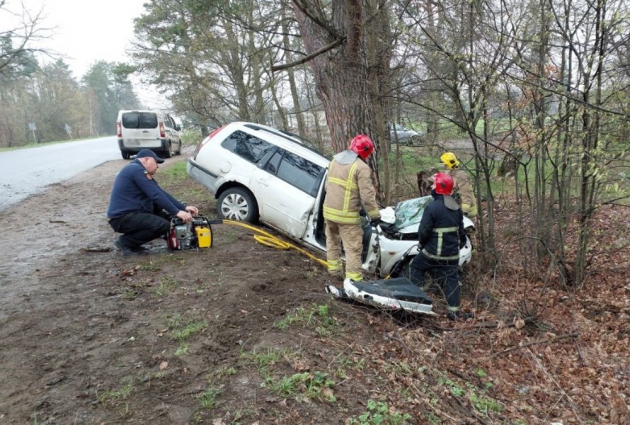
column 245, row 334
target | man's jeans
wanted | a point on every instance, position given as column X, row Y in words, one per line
column 139, row 228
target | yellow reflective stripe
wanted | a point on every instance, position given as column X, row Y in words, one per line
column 346, row 199
column 329, row 210
column 342, row 220
column 374, row 213
column 337, row 181
column 440, row 231
column 354, row 276
column 342, row 183
column 346, row 220
column 334, row 265
column 445, row 229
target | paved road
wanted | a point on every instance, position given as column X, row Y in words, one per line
column 25, row 172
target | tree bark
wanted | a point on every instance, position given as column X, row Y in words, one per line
column 340, row 74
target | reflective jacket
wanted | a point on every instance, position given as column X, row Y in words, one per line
column 464, row 189
column 441, row 231
column 348, row 183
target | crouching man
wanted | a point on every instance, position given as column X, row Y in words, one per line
column 137, row 204
column 441, row 234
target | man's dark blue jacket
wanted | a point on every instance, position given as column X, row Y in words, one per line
column 441, row 231
column 135, row 190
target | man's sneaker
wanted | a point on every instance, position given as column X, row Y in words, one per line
column 458, row 315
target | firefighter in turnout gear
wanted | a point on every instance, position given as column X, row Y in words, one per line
column 441, row 234
column 349, row 183
column 462, row 186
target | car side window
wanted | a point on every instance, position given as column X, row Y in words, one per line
column 247, row 146
column 274, row 162
column 300, row 173
column 171, row 122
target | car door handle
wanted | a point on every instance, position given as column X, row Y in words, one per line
column 262, row 182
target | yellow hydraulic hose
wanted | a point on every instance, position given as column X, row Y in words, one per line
column 268, row 239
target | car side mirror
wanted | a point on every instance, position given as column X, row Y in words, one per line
column 178, row 128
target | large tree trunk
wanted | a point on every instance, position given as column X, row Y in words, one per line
column 340, row 74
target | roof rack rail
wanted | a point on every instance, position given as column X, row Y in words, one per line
column 287, row 135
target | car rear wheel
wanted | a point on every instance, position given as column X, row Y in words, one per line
column 237, row 204
column 125, row 155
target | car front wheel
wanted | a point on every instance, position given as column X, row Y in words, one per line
column 415, row 141
column 237, row 204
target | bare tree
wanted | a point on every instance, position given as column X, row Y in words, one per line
column 18, row 44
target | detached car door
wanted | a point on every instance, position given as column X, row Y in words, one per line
column 286, row 186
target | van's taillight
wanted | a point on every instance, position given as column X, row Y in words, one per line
column 119, row 129
column 207, row 139
column 162, row 132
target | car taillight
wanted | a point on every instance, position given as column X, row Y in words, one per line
column 119, row 128
column 207, row 139
column 162, row 132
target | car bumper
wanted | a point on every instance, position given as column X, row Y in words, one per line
column 202, row 175
column 135, row 146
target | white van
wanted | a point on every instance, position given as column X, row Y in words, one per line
column 144, row 129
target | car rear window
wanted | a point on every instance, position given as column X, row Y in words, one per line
column 139, row 120
column 247, row 146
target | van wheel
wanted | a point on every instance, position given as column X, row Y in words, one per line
column 125, row 155
column 237, row 204
column 167, row 152
column 179, row 149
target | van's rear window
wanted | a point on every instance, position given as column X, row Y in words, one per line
column 139, row 120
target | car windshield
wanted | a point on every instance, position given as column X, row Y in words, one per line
column 399, row 127
column 409, row 212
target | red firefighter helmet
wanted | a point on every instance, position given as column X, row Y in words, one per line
column 443, row 184
column 362, row 146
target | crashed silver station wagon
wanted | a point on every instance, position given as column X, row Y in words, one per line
column 258, row 173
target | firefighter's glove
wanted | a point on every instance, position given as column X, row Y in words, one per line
column 375, row 222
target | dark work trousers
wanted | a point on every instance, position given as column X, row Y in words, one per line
column 446, row 271
column 139, row 228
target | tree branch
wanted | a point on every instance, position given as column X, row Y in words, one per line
column 309, row 57
column 317, row 19
column 540, row 341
